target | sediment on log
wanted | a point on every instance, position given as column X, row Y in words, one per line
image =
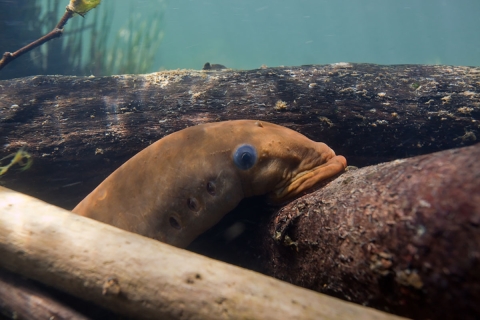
column 79, row 129
column 144, row 278
column 402, row 236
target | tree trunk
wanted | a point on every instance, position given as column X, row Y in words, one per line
column 144, row 278
column 402, row 236
column 80, row 129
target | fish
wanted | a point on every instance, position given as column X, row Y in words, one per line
column 183, row 184
column 213, row 66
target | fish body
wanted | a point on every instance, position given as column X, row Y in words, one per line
column 183, row 184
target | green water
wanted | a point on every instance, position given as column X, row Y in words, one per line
column 246, row 34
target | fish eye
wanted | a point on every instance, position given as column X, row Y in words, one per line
column 245, row 157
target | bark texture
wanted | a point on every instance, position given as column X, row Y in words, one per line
column 402, row 236
column 144, row 278
column 20, row 299
column 80, row 129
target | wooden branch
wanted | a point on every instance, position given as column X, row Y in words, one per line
column 144, row 278
column 55, row 33
column 19, row 299
column 402, row 236
column 80, row 129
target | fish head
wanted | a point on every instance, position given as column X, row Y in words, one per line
column 283, row 163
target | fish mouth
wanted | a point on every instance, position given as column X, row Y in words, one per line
column 287, row 188
column 305, row 180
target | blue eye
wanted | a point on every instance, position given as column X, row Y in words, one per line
column 245, row 156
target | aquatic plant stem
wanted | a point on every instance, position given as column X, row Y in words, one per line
column 55, row 33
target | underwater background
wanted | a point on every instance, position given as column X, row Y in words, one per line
column 125, row 36
column 78, row 130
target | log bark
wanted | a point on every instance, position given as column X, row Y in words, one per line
column 144, row 278
column 25, row 299
column 402, row 236
column 80, row 129
column 20, row 299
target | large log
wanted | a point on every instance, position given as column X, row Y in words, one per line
column 20, row 299
column 79, row 129
column 402, row 236
column 144, row 278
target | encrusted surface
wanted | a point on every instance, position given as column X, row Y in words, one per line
column 403, row 236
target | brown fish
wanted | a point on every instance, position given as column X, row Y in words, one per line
column 183, row 184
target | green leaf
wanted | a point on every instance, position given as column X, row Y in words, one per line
column 82, row 6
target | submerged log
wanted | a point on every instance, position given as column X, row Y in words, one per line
column 80, row 129
column 402, row 236
column 19, row 299
column 144, row 278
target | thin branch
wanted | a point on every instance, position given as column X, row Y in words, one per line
column 55, row 33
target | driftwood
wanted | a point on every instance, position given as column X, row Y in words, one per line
column 144, row 278
column 20, row 299
column 402, row 236
column 80, row 129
